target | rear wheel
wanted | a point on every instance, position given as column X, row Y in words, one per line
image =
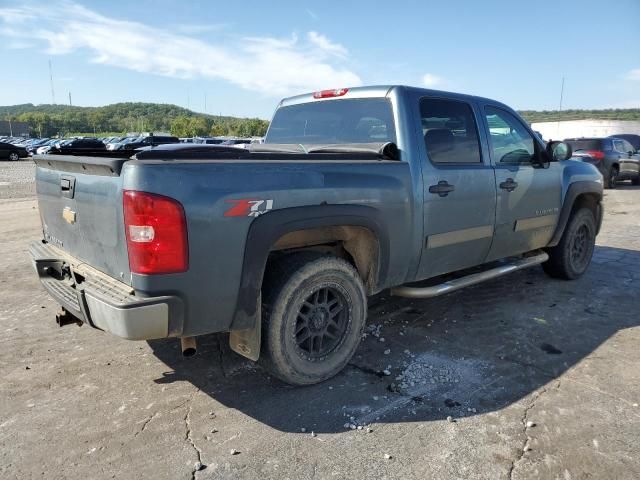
column 14, row 157
column 612, row 178
column 572, row 256
column 313, row 317
column 636, row 181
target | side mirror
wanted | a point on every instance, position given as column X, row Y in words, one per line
column 559, row 151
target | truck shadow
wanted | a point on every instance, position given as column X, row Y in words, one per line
column 470, row 352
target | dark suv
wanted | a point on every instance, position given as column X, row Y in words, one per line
column 614, row 157
column 78, row 145
column 150, row 141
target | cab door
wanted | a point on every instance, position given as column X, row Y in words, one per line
column 459, row 188
column 528, row 197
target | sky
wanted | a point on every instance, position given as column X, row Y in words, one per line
column 241, row 58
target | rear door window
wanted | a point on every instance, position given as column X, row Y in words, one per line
column 622, row 146
column 450, row 131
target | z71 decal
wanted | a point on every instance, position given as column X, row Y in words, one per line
column 248, row 207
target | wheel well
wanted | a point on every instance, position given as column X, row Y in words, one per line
column 592, row 202
column 587, row 200
column 357, row 245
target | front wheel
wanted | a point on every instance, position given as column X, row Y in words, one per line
column 314, row 314
column 572, row 256
column 14, row 157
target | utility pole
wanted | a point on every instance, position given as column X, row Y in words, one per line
column 560, row 109
column 53, row 93
column 10, row 128
column 70, row 104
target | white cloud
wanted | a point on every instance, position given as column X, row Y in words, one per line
column 265, row 64
column 430, row 80
column 633, row 74
column 326, row 45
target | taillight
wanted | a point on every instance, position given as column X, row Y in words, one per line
column 597, row 154
column 156, row 231
column 338, row 92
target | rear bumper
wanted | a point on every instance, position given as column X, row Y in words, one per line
column 102, row 301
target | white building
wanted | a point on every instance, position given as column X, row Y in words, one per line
column 585, row 128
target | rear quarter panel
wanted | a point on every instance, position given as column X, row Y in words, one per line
column 217, row 243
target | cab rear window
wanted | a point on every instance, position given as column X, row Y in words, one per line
column 362, row 120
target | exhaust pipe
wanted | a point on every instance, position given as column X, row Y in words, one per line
column 188, row 345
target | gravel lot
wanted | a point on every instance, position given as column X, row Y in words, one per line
column 16, row 179
column 523, row 377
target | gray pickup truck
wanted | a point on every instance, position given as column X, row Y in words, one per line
column 353, row 192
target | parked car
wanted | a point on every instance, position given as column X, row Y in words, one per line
column 150, row 141
column 208, row 140
column 117, row 144
column 237, row 141
column 78, row 145
column 615, row 158
column 12, row 152
column 33, row 146
column 353, row 192
column 43, row 149
column 633, row 139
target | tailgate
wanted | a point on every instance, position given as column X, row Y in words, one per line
column 80, row 202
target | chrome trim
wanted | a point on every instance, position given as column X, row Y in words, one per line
column 459, row 236
column 472, row 279
column 535, row 222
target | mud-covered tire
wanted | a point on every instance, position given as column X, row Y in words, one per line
column 290, row 302
column 572, row 256
column 611, row 178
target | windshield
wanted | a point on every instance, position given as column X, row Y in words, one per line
column 365, row 120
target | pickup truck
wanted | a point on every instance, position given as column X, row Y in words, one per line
column 355, row 191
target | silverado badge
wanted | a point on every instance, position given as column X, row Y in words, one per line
column 69, row 215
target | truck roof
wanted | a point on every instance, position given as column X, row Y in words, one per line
column 373, row 91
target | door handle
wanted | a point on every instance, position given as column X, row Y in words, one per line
column 442, row 189
column 509, row 185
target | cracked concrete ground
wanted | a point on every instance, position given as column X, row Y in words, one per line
column 76, row 403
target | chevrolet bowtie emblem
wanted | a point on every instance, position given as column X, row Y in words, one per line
column 69, row 215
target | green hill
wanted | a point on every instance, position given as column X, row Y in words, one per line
column 49, row 120
column 532, row 116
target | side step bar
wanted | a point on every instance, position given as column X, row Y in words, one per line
column 472, row 279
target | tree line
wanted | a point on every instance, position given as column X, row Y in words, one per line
column 533, row 116
column 122, row 118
